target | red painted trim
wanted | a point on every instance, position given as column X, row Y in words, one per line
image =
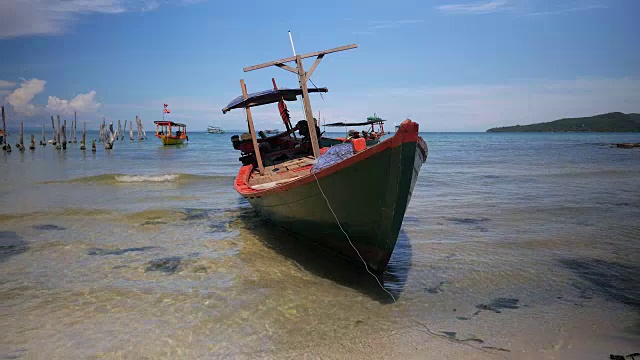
column 407, row 132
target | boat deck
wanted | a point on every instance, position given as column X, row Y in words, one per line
column 281, row 173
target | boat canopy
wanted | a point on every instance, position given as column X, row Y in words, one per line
column 168, row 123
column 355, row 124
column 267, row 97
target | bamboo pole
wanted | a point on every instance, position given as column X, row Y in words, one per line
column 20, row 144
column 252, row 130
column 43, row 142
column 93, row 146
column 33, row 142
column 53, row 132
column 83, row 144
column 131, row 130
column 58, row 143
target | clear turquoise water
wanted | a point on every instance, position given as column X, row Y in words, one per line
column 527, row 242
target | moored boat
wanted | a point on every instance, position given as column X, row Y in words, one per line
column 371, row 137
column 214, row 130
column 349, row 198
column 165, row 132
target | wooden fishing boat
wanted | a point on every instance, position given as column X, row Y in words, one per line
column 349, row 198
column 371, row 137
column 165, row 132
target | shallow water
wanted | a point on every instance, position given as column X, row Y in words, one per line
column 514, row 245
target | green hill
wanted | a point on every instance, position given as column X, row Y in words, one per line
column 611, row 122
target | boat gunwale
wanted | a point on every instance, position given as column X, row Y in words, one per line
column 408, row 132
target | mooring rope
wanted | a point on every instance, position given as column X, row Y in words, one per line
column 349, row 239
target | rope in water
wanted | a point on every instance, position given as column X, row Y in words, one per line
column 349, row 239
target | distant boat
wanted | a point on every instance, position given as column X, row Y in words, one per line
column 214, row 130
column 272, row 131
column 164, row 132
column 371, row 137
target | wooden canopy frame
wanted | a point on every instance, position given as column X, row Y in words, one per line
column 303, row 77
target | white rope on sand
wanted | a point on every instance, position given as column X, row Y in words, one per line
column 349, row 239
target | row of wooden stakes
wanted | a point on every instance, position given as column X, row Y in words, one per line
column 107, row 135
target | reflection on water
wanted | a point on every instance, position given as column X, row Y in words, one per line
column 329, row 265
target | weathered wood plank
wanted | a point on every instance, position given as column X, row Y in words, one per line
column 256, row 149
column 313, row 67
column 293, row 58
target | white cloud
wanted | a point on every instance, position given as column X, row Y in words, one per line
column 6, row 84
column 81, row 103
column 20, row 99
column 568, row 10
column 483, row 7
column 385, row 24
column 53, row 17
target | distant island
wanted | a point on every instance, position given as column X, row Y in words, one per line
column 611, row 122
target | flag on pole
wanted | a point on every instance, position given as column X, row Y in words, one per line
column 165, row 106
column 167, row 111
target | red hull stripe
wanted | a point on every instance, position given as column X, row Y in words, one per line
column 407, row 133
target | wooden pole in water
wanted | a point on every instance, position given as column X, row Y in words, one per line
column 64, row 135
column 33, row 142
column 58, row 143
column 43, row 142
column 93, row 146
column 84, row 133
column 53, row 132
column 254, row 139
column 4, row 131
column 131, row 130
column 75, row 127
column 20, row 144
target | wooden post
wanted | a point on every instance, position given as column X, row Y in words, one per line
column 75, row 127
column 83, row 144
column 33, row 142
column 43, row 142
column 4, row 131
column 252, row 130
column 64, row 135
column 131, row 130
column 93, row 146
column 20, row 144
column 302, row 79
column 53, row 132
column 58, row 144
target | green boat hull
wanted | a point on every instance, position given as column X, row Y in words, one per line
column 369, row 198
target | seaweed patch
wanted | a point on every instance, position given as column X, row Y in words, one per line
column 48, row 227
column 167, row 265
column 435, row 289
column 118, row 251
column 497, row 304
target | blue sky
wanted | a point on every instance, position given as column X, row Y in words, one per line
column 452, row 65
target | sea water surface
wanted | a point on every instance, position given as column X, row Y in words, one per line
column 513, row 246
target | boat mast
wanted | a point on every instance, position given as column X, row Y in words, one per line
column 303, row 77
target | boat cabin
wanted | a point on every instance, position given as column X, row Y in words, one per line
column 170, row 128
column 290, row 154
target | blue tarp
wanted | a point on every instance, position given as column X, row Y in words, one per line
column 334, row 155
